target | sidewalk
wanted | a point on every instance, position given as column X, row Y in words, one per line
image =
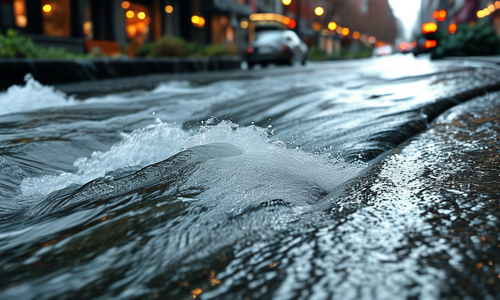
column 60, row 71
column 486, row 59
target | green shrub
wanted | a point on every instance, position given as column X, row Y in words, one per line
column 169, row 46
column 478, row 39
column 215, row 50
column 14, row 45
column 145, row 50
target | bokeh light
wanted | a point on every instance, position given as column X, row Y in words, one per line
column 319, row 11
column 47, row 8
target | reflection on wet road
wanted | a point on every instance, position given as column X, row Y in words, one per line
column 341, row 180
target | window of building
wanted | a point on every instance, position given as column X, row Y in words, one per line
column 56, row 16
column 87, row 23
column 20, row 13
column 138, row 18
column 222, row 30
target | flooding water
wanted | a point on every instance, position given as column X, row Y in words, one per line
column 329, row 182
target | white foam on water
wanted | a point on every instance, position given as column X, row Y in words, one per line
column 266, row 170
column 141, row 147
column 32, row 96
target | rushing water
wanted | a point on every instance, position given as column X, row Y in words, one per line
column 289, row 187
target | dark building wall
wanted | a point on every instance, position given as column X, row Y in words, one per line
column 77, row 18
column 185, row 27
column 34, row 15
column 6, row 15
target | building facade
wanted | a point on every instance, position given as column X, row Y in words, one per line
column 67, row 23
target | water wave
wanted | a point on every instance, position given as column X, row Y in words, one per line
column 32, row 96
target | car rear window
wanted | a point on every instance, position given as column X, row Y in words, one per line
column 268, row 38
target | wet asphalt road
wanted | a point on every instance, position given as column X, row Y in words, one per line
column 365, row 179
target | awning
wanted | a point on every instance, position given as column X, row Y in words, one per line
column 231, row 6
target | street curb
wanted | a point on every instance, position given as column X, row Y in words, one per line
column 60, row 71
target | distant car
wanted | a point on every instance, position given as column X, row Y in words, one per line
column 279, row 47
column 424, row 45
column 383, row 50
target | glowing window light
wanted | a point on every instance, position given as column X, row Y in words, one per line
column 274, row 17
column 355, row 35
column 316, row 26
column 169, row 9
column 198, row 21
column 47, row 8
column 286, row 2
column 21, row 21
column 130, row 14
column 141, row 15
column 319, row 11
column 125, row 4
column 332, row 25
column 244, row 24
column 345, row 31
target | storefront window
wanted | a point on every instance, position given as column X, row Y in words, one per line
column 56, row 16
column 20, row 13
column 222, row 30
column 138, row 18
column 87, row 24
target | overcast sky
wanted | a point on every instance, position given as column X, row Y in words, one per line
column 406, row 11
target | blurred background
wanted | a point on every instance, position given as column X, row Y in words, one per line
column 330, row 28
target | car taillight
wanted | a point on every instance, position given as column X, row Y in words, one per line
column 249, row 50
column 430, row 44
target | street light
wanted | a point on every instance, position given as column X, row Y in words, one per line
column 286, row 2
column 169, row 9
column 319, row 11
column 332, row 25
